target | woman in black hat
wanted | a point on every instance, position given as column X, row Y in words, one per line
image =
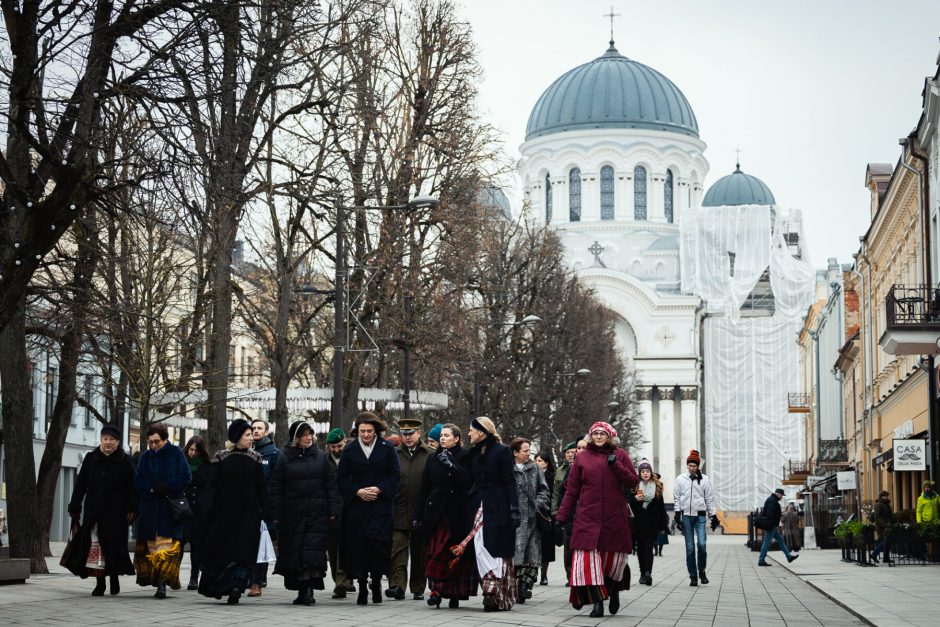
column 105, row 492
column 368, row 475
column 304, row 505
column 233, row 529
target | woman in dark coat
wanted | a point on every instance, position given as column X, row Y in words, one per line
column 162, row 473
column 545, row 463
column 534, row 501
column 441, row 516
column 368, row 475
column 229, row 548
column 305, row 503
column 199, row 495
column 600, row 537
column 105, row 492
column 649, row 517
column 493, row 506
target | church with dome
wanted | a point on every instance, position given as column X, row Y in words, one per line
column 614, row 163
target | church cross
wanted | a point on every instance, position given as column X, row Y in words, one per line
column 665, row 337
column 612, row 15
column 596, row 249
column 737, row 159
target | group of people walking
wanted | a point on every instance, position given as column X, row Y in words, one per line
column 457, row 515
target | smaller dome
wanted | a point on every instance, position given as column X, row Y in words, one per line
column 492, row 198
column 738, row 188
column 670, row 242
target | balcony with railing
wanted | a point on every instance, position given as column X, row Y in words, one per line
column 795, row 472
column 798, row 403
column 912, row 320
column 833, row 452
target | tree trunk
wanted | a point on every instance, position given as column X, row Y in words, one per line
column 17, row 407
column 221, row 336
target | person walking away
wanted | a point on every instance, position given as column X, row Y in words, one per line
column 649, row 517
column 162, row 473
column 558, row 493
column 694, row 502
column 883, row 517
column 533, row 501
column 199, row 495
column 600, row 538
column 305, row 504
column 441, row 519
column 104, row 492
column 233, row 529
column 434, row 436
column 791, row 527
column 544, row 461
column 772, row 513
column 413, row 455
column 368, row 476
column 493, row 509
column 335, row 442
column 262, row 444
column 928, row 503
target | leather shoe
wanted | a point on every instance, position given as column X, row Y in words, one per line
column 702, row 577
column 255, row 590
column 693, row 582
column 793, row 557
column 339, row 592
column 417, row 596
column 598, row 610
column 763, row 564
column 395, row 593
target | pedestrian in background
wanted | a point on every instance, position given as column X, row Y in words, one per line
column 434, row 436
column 407, row 545
column 305, row 503
column 558, row 493
column 104, row 492
column 600, row 539
column 199, row 495
column 233, row 529
column 441, row 519
column 649, row 517
column 771, row 511
column 791, row 527
column 262, row 444
column 883, row 516
column 694, row 502
column 547, row 466
column 335, row 443
column 368, row 477
column 534, row 500
column 162, row 473
column 928, row 504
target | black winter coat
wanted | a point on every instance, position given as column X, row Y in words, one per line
column 494, row 485
column 104, row 495
column 269, row 455
column 199, row 495
column 160, row 474
column 304, row 497
column 648, row 521
column 366, row 537
column 444, row 493
column 772, row 512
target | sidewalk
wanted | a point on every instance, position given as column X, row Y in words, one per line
column 899, row 595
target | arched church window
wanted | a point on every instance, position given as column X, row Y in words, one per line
column 607, row 193
column 639, row 193
column 667, row 197
column 548, row 199
column 574, row 195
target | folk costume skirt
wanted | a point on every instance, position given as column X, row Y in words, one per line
column 449, row 576
column 497, row 576
column 158, row 560
column 593, row 574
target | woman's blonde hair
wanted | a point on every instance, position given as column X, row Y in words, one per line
column 488, row 425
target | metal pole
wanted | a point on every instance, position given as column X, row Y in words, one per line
column 476, row 395
column 339, row 319
column 406, row 382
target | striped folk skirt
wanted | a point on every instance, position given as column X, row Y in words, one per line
column 594, row 574
column 158, row 560
column 450, row 576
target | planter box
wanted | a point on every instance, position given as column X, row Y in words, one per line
column 13, row 571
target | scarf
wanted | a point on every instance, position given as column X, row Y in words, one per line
column 649, row 492
column 194, row 464
column 367, row 449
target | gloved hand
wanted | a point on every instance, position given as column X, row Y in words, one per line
column 611, row 459
column 715, row 522
column 679, row 525
column 445, row 459
column 515, row 518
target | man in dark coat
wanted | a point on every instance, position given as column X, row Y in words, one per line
column 413, row 455
column 883, row 516
column 335, row 443
column 773, row 513
column 368, row 476
column 269, row 453
column 104, row 491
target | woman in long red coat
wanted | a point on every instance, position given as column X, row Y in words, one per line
column 600, row 539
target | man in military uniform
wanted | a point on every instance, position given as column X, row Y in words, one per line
column 335, row 442
column 413, row 454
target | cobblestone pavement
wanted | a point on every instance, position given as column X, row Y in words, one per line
column 740, row 593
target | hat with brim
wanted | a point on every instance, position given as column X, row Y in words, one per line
column 408, row 426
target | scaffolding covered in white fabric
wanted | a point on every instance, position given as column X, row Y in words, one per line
column 750, row 358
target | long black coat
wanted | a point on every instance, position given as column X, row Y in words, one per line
column 304, row 496
column 444, row 493
column 233, row 528
column 649, row 521
column 104, row 494
column 366, row 538
column 494, row 485
column 160, row 474
column 199, row 495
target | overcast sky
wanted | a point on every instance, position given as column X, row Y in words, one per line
column 811, row 91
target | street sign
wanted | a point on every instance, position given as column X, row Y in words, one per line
column 910, row 455
column 846, row 480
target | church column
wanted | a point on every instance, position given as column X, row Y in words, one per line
column 697, row 192
column 645, row 446
column 680, row 199
column 689, row 404
column 560, row 200
column 590, row 197
column 667, row 443
column 655, row 211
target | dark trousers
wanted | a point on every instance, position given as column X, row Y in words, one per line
column 259, row 574
column 406, row 544
column 644, row 553
column 332, row 554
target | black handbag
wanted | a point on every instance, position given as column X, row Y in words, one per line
column 762, row 522
column 179, row 505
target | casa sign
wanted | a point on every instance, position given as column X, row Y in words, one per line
column 910, row 455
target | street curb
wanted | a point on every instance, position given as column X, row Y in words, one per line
column 824, row 593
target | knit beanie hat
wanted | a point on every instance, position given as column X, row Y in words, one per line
column 694, row 458
column 237, row 429
column 292, row 430
column 435, row 432
column 335, row 436
column 111, row 430
column 644, row 464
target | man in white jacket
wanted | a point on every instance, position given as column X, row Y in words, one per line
column 694, row 503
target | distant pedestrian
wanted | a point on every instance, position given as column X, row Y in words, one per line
column 558, row 494
column 103, row 504
column 263, row 446
column 534, row 501
column 368, row 477
column 928, row 503
column 162, row 473
column 772, row 513
column 694, row 501
column 434, row 436
column 305, row 504
column 600, row 539
column 199, row 495
column 883, row 517
column 335, row 443
column 662, row 539
column 791, row 527
column 408, row 547
column 547, row 466
column 649, row 518
column 233, row 529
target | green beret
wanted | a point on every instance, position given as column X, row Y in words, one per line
column 335, row 436
column 569, row 446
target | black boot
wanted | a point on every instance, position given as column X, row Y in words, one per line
column 376, row 588
column 339, row 592
column 614, row 606
column 598, row 610
column 693, row 582
column 193, row 581
column 99, row 588
column 304, row 596
column 642, row 579
column 363, row 598
column 702, row 577
column 453, row 603
column 434, row 600
column 521, row 596
column 489, row 604
column 115, row 585
column 649, row 578
column 161, row 591
column 234, row 596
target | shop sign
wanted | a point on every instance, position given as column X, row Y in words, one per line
column 883, row 458
column 904, row 431
column 910, row 455
column 846, row 480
